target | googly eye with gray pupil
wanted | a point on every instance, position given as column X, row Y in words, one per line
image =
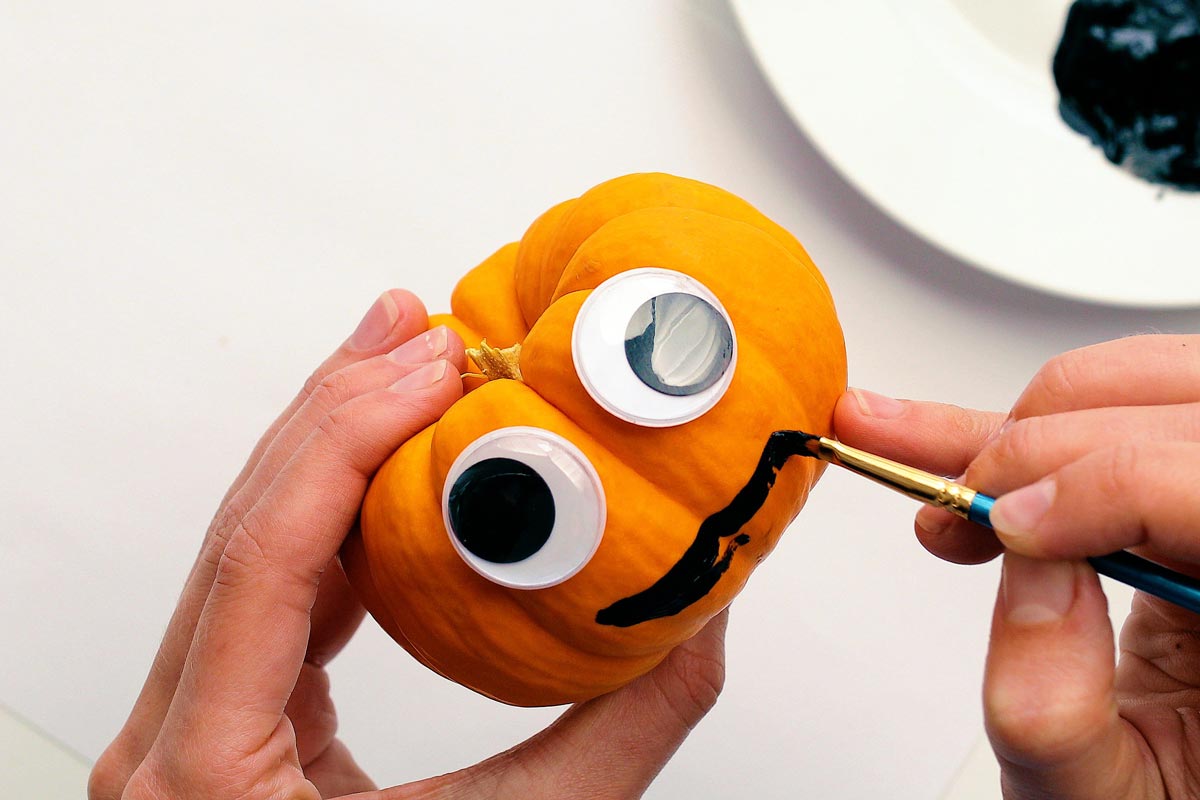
column 523, row 507
column 501, row 510
column 654, row 347
column 678, row 344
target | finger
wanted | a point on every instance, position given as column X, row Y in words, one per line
column 336, row 388
column 1049, row 701
column 310, row 708
column 954, row 539
column 335, row 772
column 395, row 317
column 336, row 612
column 1136, row 371
column 253, row 632
column 336, row 615
column 326, row 762
column 1113, row 499
column 935, row 437
column 1029, row 449
column 612, row 746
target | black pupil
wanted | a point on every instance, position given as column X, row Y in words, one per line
column 501, row 510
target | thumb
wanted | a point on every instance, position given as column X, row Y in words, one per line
column 1049, row 701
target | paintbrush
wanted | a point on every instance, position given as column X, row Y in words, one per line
column 965, row 502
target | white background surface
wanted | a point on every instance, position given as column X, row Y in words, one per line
column 196, row 204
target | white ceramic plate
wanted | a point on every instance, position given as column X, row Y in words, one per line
column 944, row 113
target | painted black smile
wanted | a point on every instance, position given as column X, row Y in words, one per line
column 703, row 563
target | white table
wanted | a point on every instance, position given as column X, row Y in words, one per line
column 197, row 203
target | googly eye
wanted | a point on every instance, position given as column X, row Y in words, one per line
column 524, row 507
column 654, row 347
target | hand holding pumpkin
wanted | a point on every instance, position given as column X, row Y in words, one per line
column 237, row 702
column 1100, row 453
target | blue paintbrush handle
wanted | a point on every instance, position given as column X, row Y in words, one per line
column 1151, row 578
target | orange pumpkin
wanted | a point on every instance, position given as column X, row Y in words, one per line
column 567, row 523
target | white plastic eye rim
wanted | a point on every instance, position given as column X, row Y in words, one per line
column 598, row 348
column 569, row 474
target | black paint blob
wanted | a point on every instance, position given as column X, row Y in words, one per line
column 501, row 510
column 704, row 562
column 1128, row 72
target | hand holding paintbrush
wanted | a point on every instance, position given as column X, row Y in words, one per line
column 1100, row 454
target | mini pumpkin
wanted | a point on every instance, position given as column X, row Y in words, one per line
column 611, row 488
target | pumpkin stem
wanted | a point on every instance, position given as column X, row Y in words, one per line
column 497, row 364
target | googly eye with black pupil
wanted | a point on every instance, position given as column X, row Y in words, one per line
column 654, row 347
column 524, row 507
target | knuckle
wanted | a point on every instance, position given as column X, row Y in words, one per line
column 340, row 427
column 332, row 390
column 1000, row 452
column 971, row 423
column 1056, row 379
column 1059, row 375
column 164, row 776
column 253, row 554
column 1045, row 730
column 1023, row 439
column 328, row 390
column 310, row 384
column 227, row 768
column 242, row 557
column 146, row 783
column 228, row 520
column 1017, row 446
column 332, row 426
column 1121, row 469
column 968, row 425
column 691, row 685
column 110, row 774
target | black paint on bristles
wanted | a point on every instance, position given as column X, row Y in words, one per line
column 811, row 443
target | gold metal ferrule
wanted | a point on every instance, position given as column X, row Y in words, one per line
column 918, row 484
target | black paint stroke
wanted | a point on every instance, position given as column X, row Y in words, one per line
column 699, row 568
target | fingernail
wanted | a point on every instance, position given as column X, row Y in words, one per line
column 1018, row 513
column 877, row 405
column 375, row 324
column 1035, row 591
column 934, row 521
column 427, row 346
column 423, row 377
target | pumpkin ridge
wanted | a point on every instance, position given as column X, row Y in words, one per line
column 809, row 269
column 556, row 228
column 487, row 302
column 629, row 194
column 808, row 264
